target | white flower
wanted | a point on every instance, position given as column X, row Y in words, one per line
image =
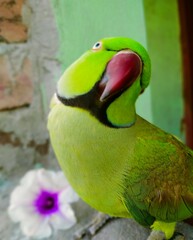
column 42, row 202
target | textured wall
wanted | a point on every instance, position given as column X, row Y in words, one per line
column 28, row 73
column 12, row 28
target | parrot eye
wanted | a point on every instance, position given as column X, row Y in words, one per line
column 97, row 46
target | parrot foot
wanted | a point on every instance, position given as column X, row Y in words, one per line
column 156, row 235
column 178, row 236
column 94, row 226
column 159, row 235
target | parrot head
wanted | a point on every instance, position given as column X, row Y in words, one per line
column 107, row 80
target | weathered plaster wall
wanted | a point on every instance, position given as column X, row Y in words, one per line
column 28, row 71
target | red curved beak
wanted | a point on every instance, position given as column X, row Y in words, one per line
column 121, row 71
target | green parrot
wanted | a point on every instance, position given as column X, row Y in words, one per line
column 117, row 162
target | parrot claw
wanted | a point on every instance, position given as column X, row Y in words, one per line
column 159, row 235
column 94, row 226
column 156, row 235
column 178, row 236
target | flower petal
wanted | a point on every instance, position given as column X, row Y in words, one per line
column 61, row 180
column 36, row 227
column 29, row 178
column 68, row 196
column 24, row 210
column 45, row 179
column 65, row 219
column 22, row 196
column 30, row 181
column 19, row 213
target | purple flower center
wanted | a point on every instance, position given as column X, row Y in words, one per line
column 47, row 203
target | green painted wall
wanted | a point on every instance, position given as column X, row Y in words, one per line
column 82, row 22
column 163, row 32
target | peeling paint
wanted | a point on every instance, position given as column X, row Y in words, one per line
column 40, row 148
column 7, row 138
column 24, row 137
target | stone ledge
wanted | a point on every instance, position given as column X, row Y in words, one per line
column 118, row 229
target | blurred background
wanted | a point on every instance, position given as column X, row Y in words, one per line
column 39, row 39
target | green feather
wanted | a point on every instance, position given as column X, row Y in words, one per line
column 140, row 215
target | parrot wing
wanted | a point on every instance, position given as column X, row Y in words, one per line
column 160, row 179
column 140, row 215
